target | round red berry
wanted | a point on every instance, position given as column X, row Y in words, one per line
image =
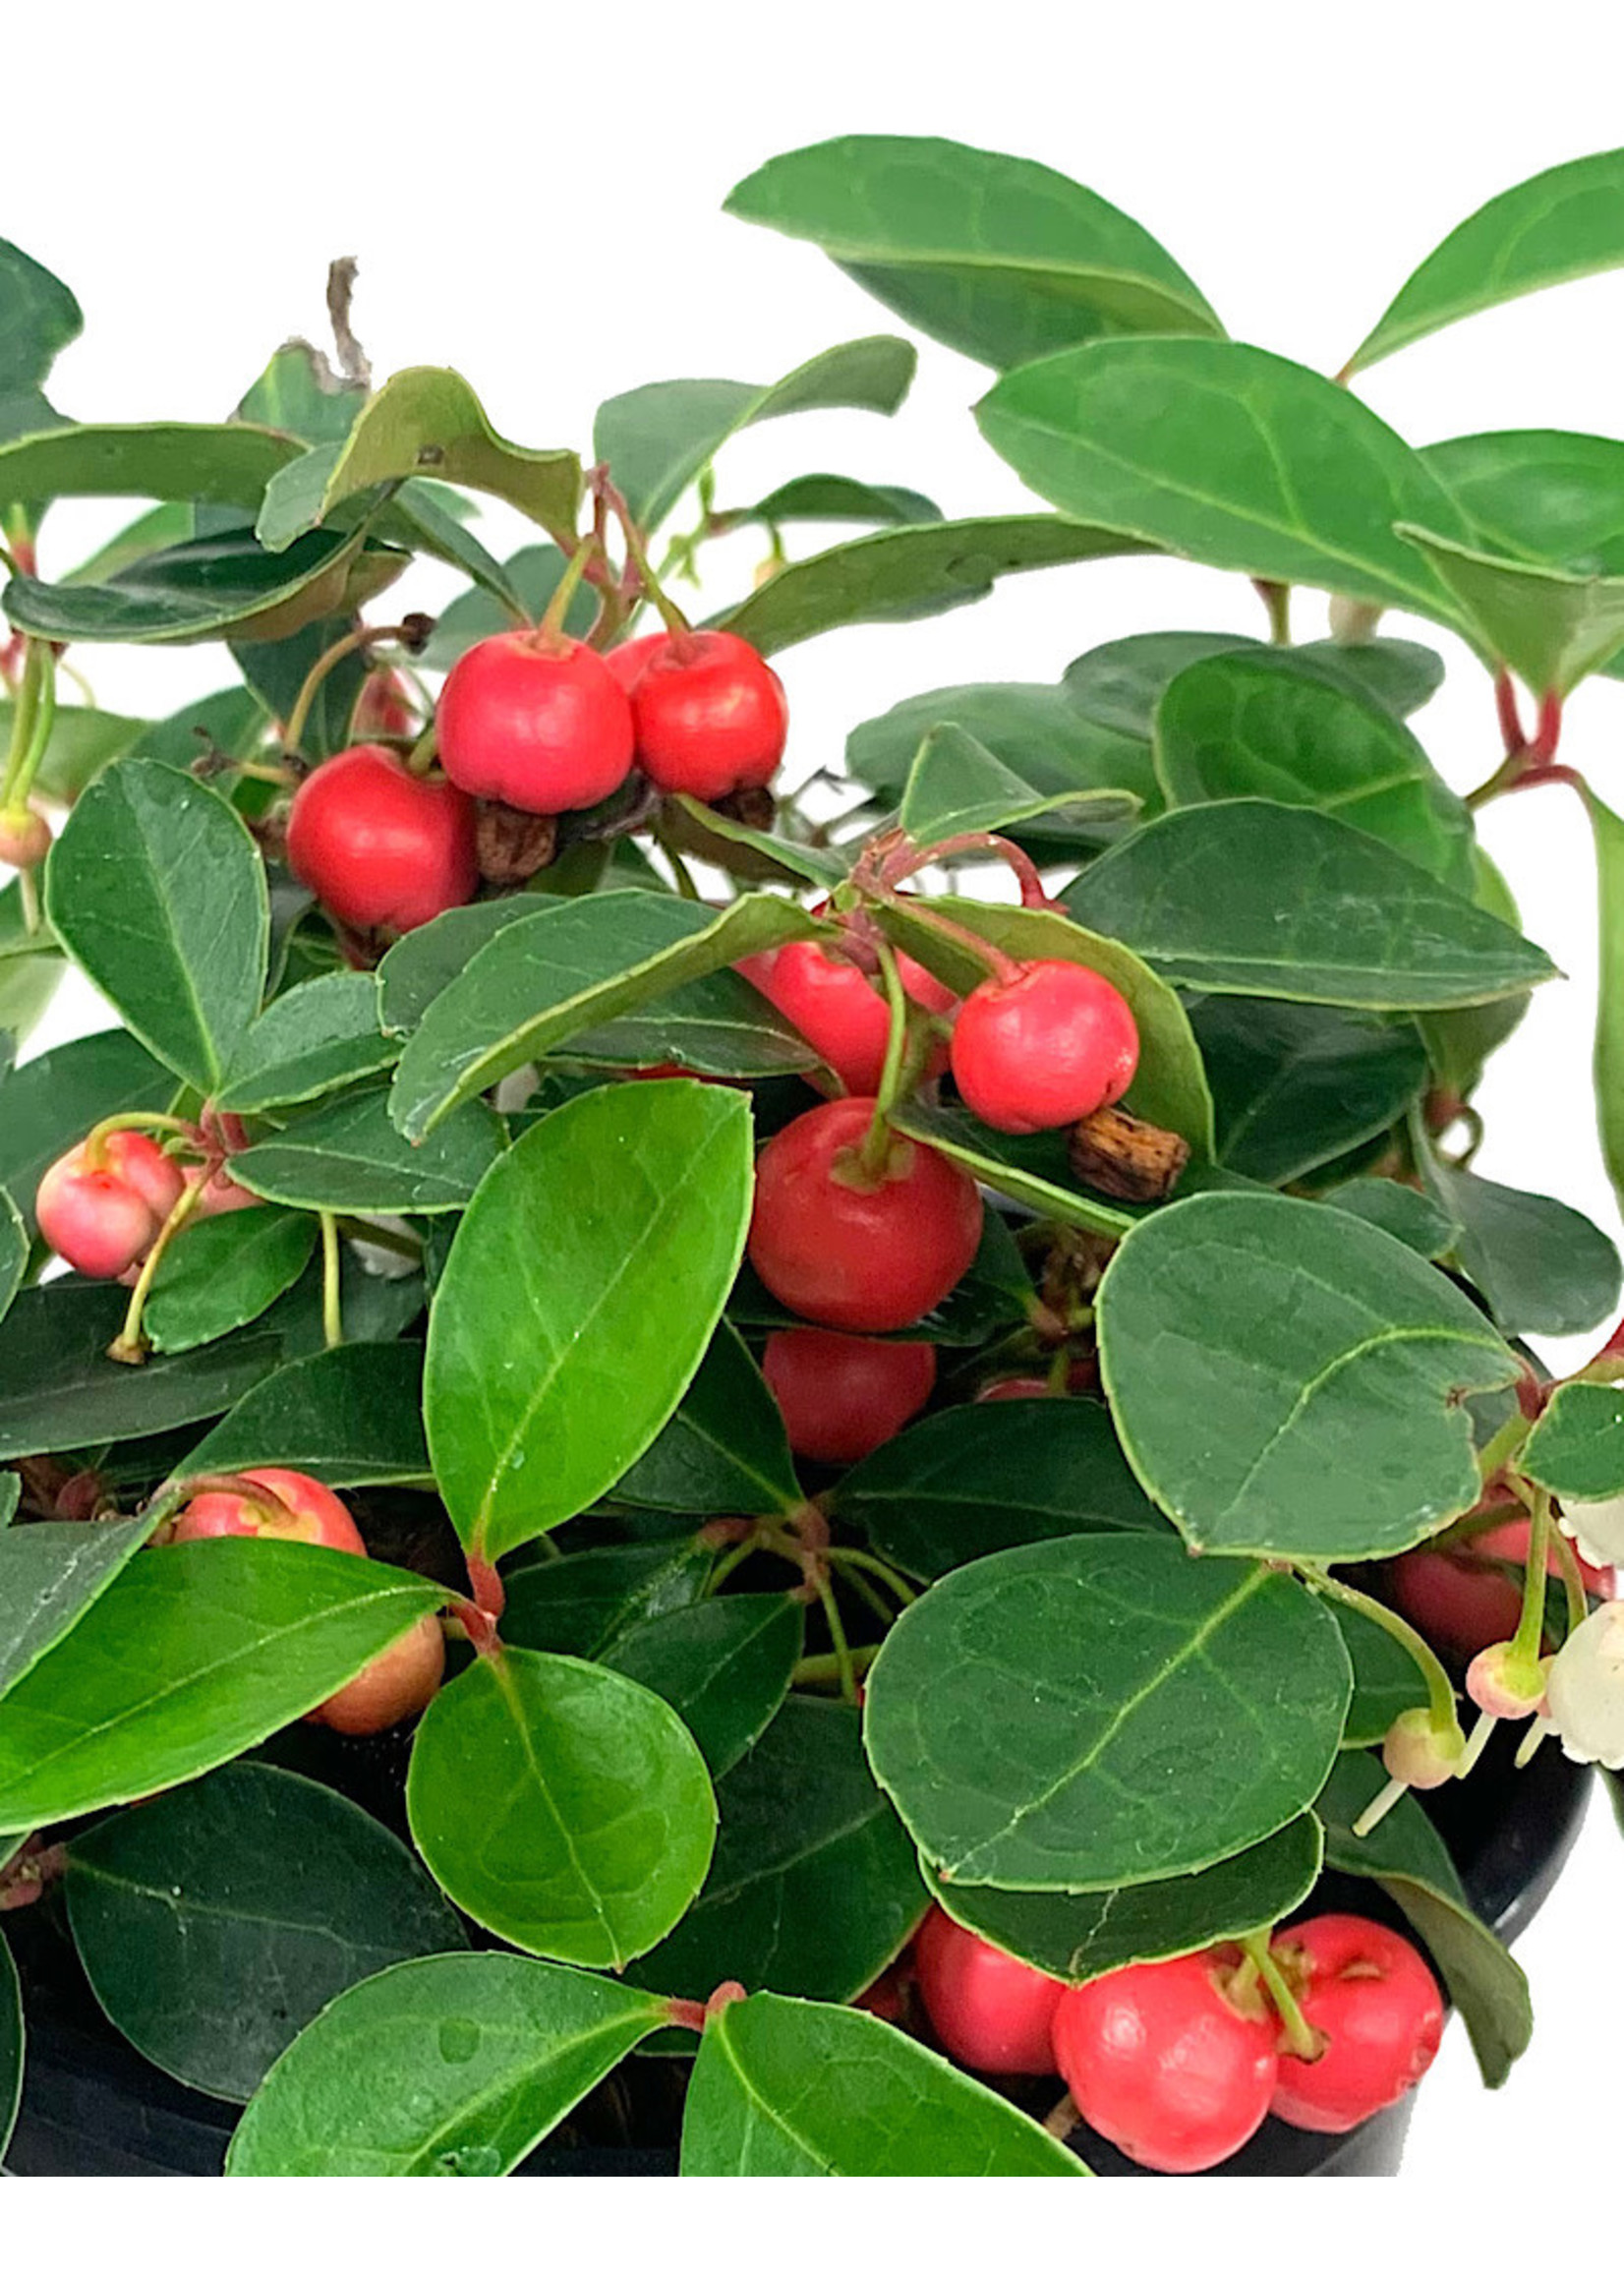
column 710, row 714
column 865, row 1252
column 838, row 1009
column 839, row 1395
column 990, row 2011
column 379, row 847
column 536, row 719
column 1464, row 1597
column 305, row 1510
column 1371, row 1997
column 1161, row 2062
column 102, row 1217
column 1044, row 1049
column 627, row 662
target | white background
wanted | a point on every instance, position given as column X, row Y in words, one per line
column 534, row 195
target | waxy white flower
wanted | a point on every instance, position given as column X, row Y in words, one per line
column 1595, row 1528
column 1585, row 1692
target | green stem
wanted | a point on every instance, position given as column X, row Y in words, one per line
column 724, row 1567
column 333, row 1316
column 425, row 750
column 824, row 1666
column 299, row 715
column 680, row 871
column 1531, row 1626
column 876, row 1144
column 1440, row 1691
column 864, row 1589
column 557, row 607
column 1301, row 2035
column 130, row 1348
column 836, row 1633
column 27, row 749
column 1506, row 1440
column 860, row 1560
column 1573, row 1580
column 171, row 1123
column 1277, row 600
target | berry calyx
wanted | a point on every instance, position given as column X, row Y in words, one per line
column 991, row 2012
column 1371, row 1999
column 1463, row 1596
column 838, row 1009
column 381, row 848
column 709, row 714
column 1501, row 1682
column 25, row 837
column 394, row 1687
column 865, row 1251
column 536, row 719
column 1043, row 1049
column 1162, row 2062
column 1417, row 1752
column 102, row 1204
column 841, row 1395
column 288, row 1505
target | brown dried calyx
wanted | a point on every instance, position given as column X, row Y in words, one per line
column 751, row 808
column 512, row 846
column 1123, row 1157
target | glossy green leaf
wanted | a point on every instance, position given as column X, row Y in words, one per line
column 1120, row 684
column 755, row 856
column 725, row 1665
column 1092, row 1713
column 580, row 1605
column 1037, row 732
column 224, row 465
column 317, row 1038
column 233, row 721
column 300, row 393
column 717, row 1025
column 50, row 1574
column 1564, row 223
column 1410, row 1863
column 225, row 1271
column 1542, row 1266
column 1286, row 1380
column 561, row 1339
column 419, row 518
column 1079, row 1937
column 1387, row 1681
column 444, row 2068
column 956, row 786
column 82, row 742
column 658, row 440
column 1254, row 898
column 834, row 498
column 1034, row 1171
column 1298, row 1085
column 995, row 256
column 1577, row 1445
column 562, row 1806
column 1539, row 496
column 723, row 1452
column 978, row 1479
column 38, row 318
column 27, row 984
column 1458, row 1043
column 1263, row 724
column 568, row 969
column 1231, row 456
column 899, row 574
column 196, row 1652
column 786, row 2090
column 219, row 1919
column 813, row 1887
column 351, row 1415
column 1553, row 627
column 349, row 1155
column 14, row 1250
column 532, row 574
column 1401, row 1211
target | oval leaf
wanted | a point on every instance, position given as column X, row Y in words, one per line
column 225, row 1271
column 317, row 1038
column 1298, row 1085
column 50, row 1574
column 349, row 1155
column 725, row 1665
column 351, row 1415
column 723, row 1452
column 1576, row 1448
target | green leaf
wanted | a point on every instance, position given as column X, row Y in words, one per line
column 300, row 393
column 995, row 256
column 158, row 893
column 754, row 854
column 224, row 465
column 225, row 1271
column 1119, row 687
column 1263, row 724
column 233, row 721
column 14, row 1250
column 658, row 440
column 11, row 1493
column 1577, row 1445
column 1552, row 627
column 276, row 670
column 1036, row 732
column 1542, row 1267
column 59, row 1389
column 198, row 1652
column 834, row 498
column 1294, row 1086
column 82, row 742
column 1458, row 1043
column 786, row 2090
column 1387, row 1681
column 448, row 2068
column 978, row 1479
column 1254, row 898
column 957, row 786
column 1399, row 1211
column 562, row 1806
column 318, row 1036
column 561, row 1338
column 813, row 1887
column 1170, row 1088
column 1230, row 457
column 27, row 984
column 1079, row 1937
column 532, row 575
column 725, row 1665
column 50, row 1574
column 899, row 574
column 1092, row 1713
column 1036, row 1171
column 1405, row 1857
column 1254, row 1349
column 723, row 1452
column 1563, row 223
column 349, row 1155
column 570, row 968
column 1539, row 496
column 718, row 1024
column 219, row 1919
column 347, row 1416
column 1608, row 1060
column 38, row 318
column 578, row 1605
column 12, row 2043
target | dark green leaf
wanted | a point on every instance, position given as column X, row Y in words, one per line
column 1092, row 1713
column 1295, row 1084
column 1577, row 1445
column 1387, row 1681
column 14, row 1250
column 1119, row 687
column 1258, row 1350
column 1254, row 898
column 753, row 854
column 580, row 1605
column 1550, row 626
column 1036, row 732
column 1459, row 1041
column 956, row 784
column 82, row 742
column 562, row 1340
column 233, row 722
column 276, row 670
column 562, row 1806
column 1399, row 674
column 1401, row 1211
column 300, row 393
column 448, row 2068
column 38, row 318
column 1542, row 1266
column 724, row 1451
column 533, row 575
column 1036, row 1171
column 723, row 1664
column 225, row 1271
column 317, row 1038
column 786, row 2090
column 351, row 1415
column 834, row 498
column 196, row 1652
column 227, row 465
column 219, row 1919
column 50, row 1574
column 27, row 984
column 348, row 1154
column 993, row 254
column 718, row 1024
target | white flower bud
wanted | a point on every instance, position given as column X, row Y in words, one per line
column 1585, row 1694
column 1595, row 1528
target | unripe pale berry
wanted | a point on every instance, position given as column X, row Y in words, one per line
column 381, row 848
column 396, row 1686
column 307, row 1511
column 1500, row 1682
column 1043, row 1049
column 25, row 839
column 990, row 2011
column 1584, row 1689
column 535, row 720
column 710, row 714
column 841, row 1395
column 103, row 1220
column 1416, row 1753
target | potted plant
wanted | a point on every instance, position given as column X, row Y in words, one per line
column 770, row 1476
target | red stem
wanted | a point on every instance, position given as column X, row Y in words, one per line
column 1505, row 702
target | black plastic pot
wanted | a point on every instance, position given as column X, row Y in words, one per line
column 93, row 2107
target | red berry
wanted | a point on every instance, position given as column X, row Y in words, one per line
column 843, row 1250
column 710, row 714
column 1461, row 1598
column 1044, row 1049
column 1161, row 2063
column 628, row 661
column 25, row 839
column 384, row 707
column 841, row 1395
column 312, row 1513
column 990, row 2011
column 1372, row 1997
column 220, row 1194
column 396, row 1686
column 102, row 1220
column 379, row 847
column 838, row 1008
column 536, row 719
